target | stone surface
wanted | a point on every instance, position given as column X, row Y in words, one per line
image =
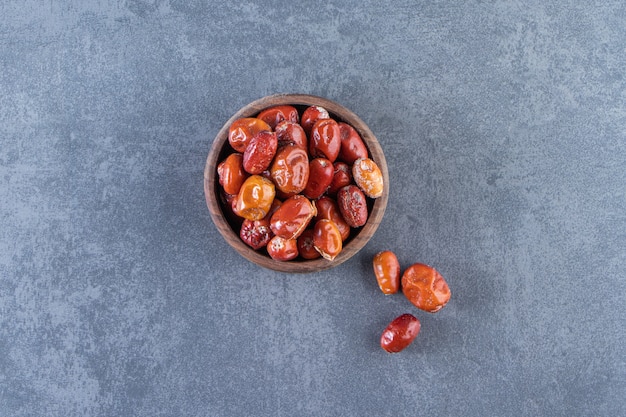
column 504, row 125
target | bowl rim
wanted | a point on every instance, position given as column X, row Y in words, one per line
column 211, row 187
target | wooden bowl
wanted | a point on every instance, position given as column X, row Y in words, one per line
column 221, row 148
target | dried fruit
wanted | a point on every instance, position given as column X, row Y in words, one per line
column 292, row 217
column 387, row 271
column 368, row 177
column 320, row 176
column 290, row 133
column 352, row 146
column 327, row 209
column 231, row 173
column 309, row 160
column 352, row 205
column 400, row 333
column 342, row 176
column 311, row 115
column 290, row 170
column 242, row 130
column 325, row 139
column 305, row 245
column 259, row 153
column 425, row 288
column 256, row 233
column 327, row 239
column 255, row 198
column 274, row 115
column 281, row 249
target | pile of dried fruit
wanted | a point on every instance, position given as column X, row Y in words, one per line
column 422, row 285
column 297, row 184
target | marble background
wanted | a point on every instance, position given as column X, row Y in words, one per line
column 504, row 125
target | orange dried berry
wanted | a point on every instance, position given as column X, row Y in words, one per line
column 242, row 130
column 368, row 177
column 255, row 198
column 387, row 271
column 425, row 288
column 290, row 170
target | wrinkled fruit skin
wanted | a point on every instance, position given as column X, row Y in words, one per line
column 327, row 239
column 290, row 170
column 281, row 249
column 342, row 176
column 255, row 198
column 292, row 217
column 231, row 173
column 425, row 288
column 387, row 272
column 352, row 205
column 400, row 333
column 321, row 172
column 311, row 115
column 352, row 146
column 368, row 177
column 256, row 233
column 259, row 153
column 327, row 209
column 305, row 245
column 242, row 130
column 293, row 167
column 277, row 114
column 325, row 139
column 290, row 133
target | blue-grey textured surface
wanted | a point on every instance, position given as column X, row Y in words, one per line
column 504, row 125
